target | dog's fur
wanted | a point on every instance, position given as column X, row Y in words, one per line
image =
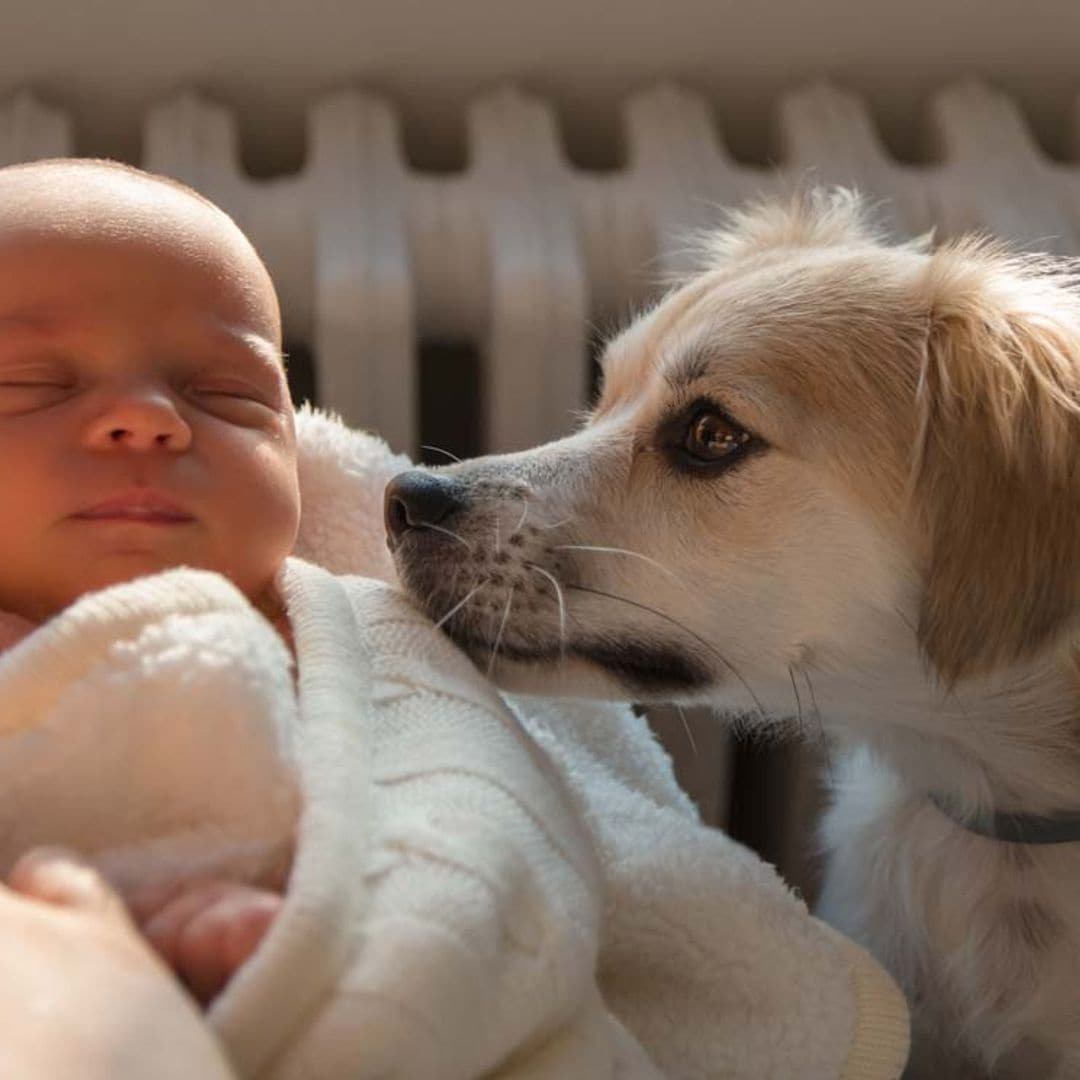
column 890, row 543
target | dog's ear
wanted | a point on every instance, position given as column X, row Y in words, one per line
column 996, row 481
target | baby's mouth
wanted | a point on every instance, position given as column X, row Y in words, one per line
column 146, row 507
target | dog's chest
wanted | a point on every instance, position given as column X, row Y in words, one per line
column 984, row 936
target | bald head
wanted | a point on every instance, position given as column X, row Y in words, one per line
column 76, row 200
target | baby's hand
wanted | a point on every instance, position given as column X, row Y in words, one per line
column 82, row 995
column 206, row 930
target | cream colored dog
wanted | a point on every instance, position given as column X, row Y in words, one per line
column 831, row 475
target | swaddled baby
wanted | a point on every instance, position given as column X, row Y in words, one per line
column 145, row 424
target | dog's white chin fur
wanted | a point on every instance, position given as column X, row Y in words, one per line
column 570, row 678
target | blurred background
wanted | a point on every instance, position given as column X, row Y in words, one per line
column 459, row 200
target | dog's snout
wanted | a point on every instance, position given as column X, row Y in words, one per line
column 416, row 499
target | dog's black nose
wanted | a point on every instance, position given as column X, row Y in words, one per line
column 416, row 499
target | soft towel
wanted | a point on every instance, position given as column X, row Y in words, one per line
column 150, row 727
column 475, row 891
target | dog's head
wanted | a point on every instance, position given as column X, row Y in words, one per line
column 816, row 447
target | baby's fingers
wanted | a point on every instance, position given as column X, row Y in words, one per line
column 209, row 932
column 163, row 924
column 56, row 876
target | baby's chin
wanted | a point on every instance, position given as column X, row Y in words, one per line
column 42, row 591
column 57, row 596
column 124, row 566
column 120, row 569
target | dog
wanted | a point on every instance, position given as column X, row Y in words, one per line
column 827, row 473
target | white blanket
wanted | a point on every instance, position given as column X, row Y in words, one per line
column 151, row 726
column 475, row 892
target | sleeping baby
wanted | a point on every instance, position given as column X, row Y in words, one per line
column 145, row 423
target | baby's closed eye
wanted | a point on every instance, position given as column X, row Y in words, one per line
column 237, row 400
column 25, row 386
column 235, row 388
column 245, row 380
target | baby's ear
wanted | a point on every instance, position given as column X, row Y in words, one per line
column 996, row 483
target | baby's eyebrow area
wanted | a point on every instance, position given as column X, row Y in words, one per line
column 36, row 319
column 237, row 337
column 39, row 324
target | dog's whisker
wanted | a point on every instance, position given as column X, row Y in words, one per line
column 460, row 604
column 826, row 759
column 498, row 543
column 556, row 525
column 902, row 616
column 686, row 728
column 622, row 551
column 798, row 701
column 686, row 630
column 562, row 605
column 440, row 450
column 448, row 532
column 498, row 636
column 524, row 514
column 813, row 698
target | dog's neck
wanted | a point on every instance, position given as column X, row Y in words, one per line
column 1007, row 743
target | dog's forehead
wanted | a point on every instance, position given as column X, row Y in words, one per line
column 757, row 320
column 713, row 325
column 676, row 328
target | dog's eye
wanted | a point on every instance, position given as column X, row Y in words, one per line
column 711, row 438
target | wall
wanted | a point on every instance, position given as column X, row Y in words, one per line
column 103, row 59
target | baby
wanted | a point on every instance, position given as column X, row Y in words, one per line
column 145, row 423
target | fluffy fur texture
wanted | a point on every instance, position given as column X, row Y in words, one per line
column 828, row 476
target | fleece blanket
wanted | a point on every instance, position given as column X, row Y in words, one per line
column 476, row 888
column 151, row 727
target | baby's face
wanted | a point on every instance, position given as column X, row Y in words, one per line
column 145, row 420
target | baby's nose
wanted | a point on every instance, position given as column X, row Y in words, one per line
column 139, row 420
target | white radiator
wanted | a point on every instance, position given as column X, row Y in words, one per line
column 521, row 254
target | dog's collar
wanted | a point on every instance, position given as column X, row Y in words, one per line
column 1061, row 828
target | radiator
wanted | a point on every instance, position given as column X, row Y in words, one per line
column 520, row 254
